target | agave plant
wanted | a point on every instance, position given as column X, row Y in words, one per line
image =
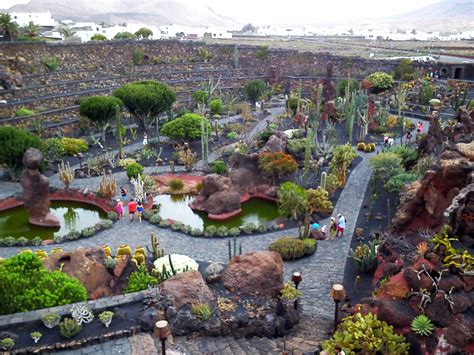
column 422, row 325
column 422, row 248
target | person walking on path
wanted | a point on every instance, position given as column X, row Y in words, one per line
column 332, row 228
column 408, row 137
column 419, row 127
column 123, row 193
column 132, row 208
column 120, row 208
column 139, row 211
column 341, row 224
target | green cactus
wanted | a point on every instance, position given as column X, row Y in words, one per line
column 233, row 251
column 156, row 252
column 324, row 177
column 365, row 256
column 205, row 144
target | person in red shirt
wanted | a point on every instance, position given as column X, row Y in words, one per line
column 132, row 208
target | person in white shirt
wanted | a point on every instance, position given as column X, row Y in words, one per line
column 341, row 224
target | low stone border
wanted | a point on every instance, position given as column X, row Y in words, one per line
column 94, row 305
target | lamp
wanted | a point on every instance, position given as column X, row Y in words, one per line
column 162, row 331
column 296, row 278
column 338, row 294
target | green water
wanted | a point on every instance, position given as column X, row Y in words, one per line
column 176, row 207
column 72, row 215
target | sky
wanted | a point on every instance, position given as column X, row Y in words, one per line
column 298, row 11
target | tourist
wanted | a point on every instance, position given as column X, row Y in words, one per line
column 387, row 141
column 332, row 228
column 408, row 137
column 341, row 224
column 120, row 208
column 139, row 211
column 323, row 231
column 132, row 208
column 123, row 193
column 145, row 140
column 419, row 127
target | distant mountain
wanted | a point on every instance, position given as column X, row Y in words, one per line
column 152, row 12
column 447, row 15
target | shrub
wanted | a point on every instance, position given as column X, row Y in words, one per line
column 138, row 56
column 69, row 327
column 386, row 165
column 105, row 224
column 200, row 97
column 297, row 147
column 380, row 81
column 36, row 241
column 164, row 223
column 176, row 184
column 293, row 248
column 219, row 167
column 318, row 201
column 125, row 36
column 7, row 343
column 234, row 232
column 202, row 311
column 133, row 170
column 112, row 215
column 54, row 149
column 187, row 127
column 422, row 325
column 254, row 89
column 409, row 155
column 216, row 106
column 23, row 111
column 58, row 239
column 397, row 182
column 366, row 334
column 13, row 144
column 140, row 280
column 98, row 37
column 22, row 241
column 249, row 228
column 232, row 135
column 51, row 319
column 156, row 219
column 74, row 145
column 210, row 231
column 424, row 164
column 72, row 235
column 196, row 232
column 88, row 232
column 277, row 164
column 147, row 214
column 25, row 285
column 222, row 231
column 292, row 200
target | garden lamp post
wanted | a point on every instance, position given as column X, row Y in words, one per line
column 338, row 294
column 296, row 278
column 162, row 331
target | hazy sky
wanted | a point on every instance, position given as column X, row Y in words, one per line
column 298, row 11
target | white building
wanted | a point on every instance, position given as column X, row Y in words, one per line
column 43, row 19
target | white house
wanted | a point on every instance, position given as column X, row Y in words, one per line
column 43, row 19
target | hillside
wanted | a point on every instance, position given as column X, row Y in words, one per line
column 153, row 12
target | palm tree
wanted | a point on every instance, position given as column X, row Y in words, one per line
column 31, row 30
column 66, row 32
column 8, row 28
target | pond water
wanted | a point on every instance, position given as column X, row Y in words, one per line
column 72, row 215
column 176, row 207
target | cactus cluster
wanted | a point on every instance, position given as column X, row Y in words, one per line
column 364, row 256
column 155, row 247
column 66, row 175
column 107, row 185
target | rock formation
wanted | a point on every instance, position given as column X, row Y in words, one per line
column 257, row 273
column 87, row 265
column 36, row 191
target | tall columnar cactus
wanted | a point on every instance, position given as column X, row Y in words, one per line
column 118, row 130
column 155, row 247
column 107, row 185
column 233, row 251
column 307, row 152
column 138, row 188
column 205, row 144
column 324, row 177
column 364, row 123
column 66, row 175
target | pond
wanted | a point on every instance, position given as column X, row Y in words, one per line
column 176, row 207
column 72, row 215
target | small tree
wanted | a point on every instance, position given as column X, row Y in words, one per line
column 144, row 33
column 146, row 100
column 216, row 106
column 380, row 81
column 277, row 164
column 125, row 35
column 100, row 110
column 292, row 200
column 186, row 127
column 254, row 89
column 200, row 97
column 13, row 144
column 99, row 37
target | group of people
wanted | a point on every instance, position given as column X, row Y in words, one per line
column 409, row 135
column 336, row 228
column 134, row 207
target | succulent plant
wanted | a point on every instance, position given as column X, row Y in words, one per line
column 50, row 320
column 69, row 327
column 36, row 336
column 422, row 325
column 82, row 314
column 106, row 317
column 7, row 343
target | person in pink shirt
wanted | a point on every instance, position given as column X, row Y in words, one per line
column 119, row 209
